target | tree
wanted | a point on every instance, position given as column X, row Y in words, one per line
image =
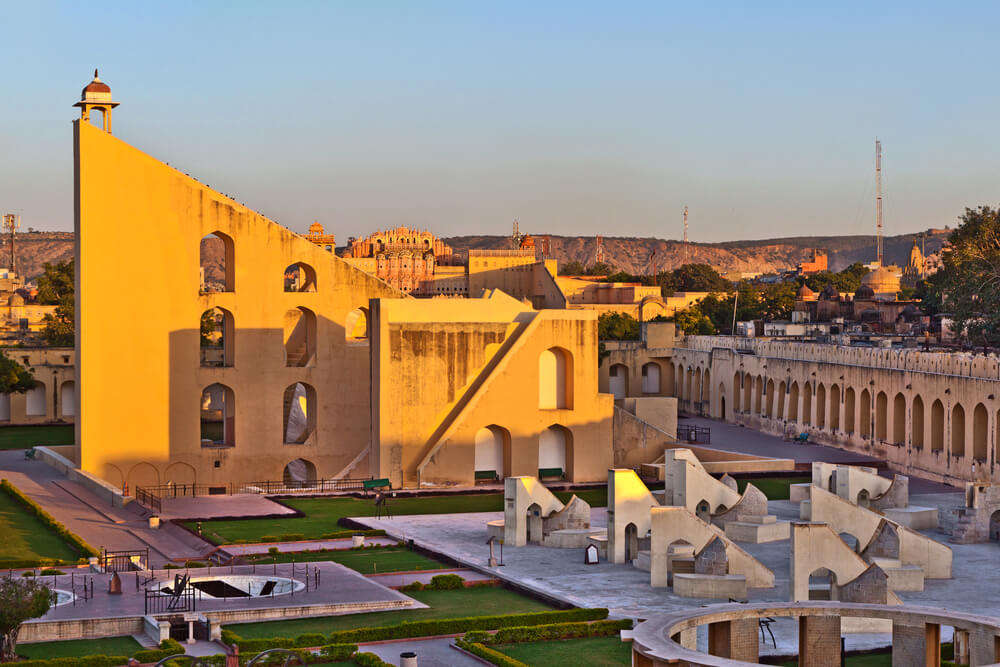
column 55, row 286
column 693, row 322
column 20, row 600
column 572, row 269
column 617, row 326
column 14, row 378
column 969, row 284
column 699, row 278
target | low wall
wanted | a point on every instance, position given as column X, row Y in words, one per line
column 84, row 628
column 95, row 485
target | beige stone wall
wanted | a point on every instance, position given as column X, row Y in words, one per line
column 446, row 369
column 933, row 415
column 53, row 401
column 140, row 385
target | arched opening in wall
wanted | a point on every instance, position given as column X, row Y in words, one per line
column 851, row 541
column 67, row 399
column 696, row 389
column 4, row 407
column 793, row 402
column 34, row 401
column 737, row 386
column 299, row 413
column 688, row 381
column 769, row 401
column 555, row 451
column 555, row 379
column 217, row 259
column 703, row 510
column 994, row 528
column 807, row 396
column 356, row 326
column 631, row 542
column 917, row 423
column 299, row 473
column 217, row 337
column 143, row 474
column 865, row 414
column 758, row 394
column 820, row 406
column 534, row 523
column 747, row 393
column 899, row 419
column 218, row 416
column 706, row 388
column 881, row 417
column 179, row 474
column 958, row 430
column 937, row 426
column 618, row 380
column 492, row 452
column 980, row 423
column 782, row 391
column 300, row 337
column 864, row 499
column 834, row 419
column 722, row 403
column 668, row 380
column 651, row 378
column 822, row 584
column 849, row 411
column 299, row 277
column 679, row 383
column 831, row 484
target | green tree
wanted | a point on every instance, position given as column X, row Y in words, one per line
column 14, row 378
column 55, row 286
column 55, row 283
column 617, row 326
column 969, row 286
column 699, row 278
column 693, row 322
column 572, row 269
column 21, row 599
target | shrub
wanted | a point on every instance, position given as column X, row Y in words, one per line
column 446, row 582
column 92, row 661
column 292, row 537
column 273, row 551
column 370, row 660
column 72, row 539
column 171, row 566
column 412, row 586
column 556, row 631
column 167, row 648
column 269, row 538
column 194, row 563
column 477, row 637
column 49, row 572
column 488, row 654
column 338, row 652
column 29, row 573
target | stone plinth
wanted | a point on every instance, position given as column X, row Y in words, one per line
column 901, row 577
column 758, row 532
column 568, row 538
column 798, row 492
column 913, row 517
column 599, row 540
column 710, row 586
column 642, row 561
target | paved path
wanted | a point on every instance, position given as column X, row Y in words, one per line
column 736, row 438
column 310, row 545
column 403, row 578
column 240, row 505
column 430, row 653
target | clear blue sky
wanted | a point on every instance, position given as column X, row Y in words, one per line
column 577, row 117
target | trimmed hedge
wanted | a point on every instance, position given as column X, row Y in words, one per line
column 297, row 537
column 72, row 539
column 488, row 654
column 439, row 582
column 370, row 660
column 408, row 629
column 535, row 633
column 167, row 648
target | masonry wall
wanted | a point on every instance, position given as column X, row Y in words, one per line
column 53, row 400
column 138, row 313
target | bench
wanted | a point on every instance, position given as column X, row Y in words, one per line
column 490, row 475
column 372, row 484
column 550, row 472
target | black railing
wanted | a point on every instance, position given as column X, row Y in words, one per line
column 152, row 496
column 125, row 561
column 158, row 602
column 148, row 498
column 694, row 434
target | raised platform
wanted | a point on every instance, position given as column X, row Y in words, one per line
column 901, row 577
column 799, row 492
column 570, row 538
column 769, row 529
column 711, row 586
column 914, row 517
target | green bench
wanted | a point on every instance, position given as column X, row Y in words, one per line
column 372, row 484
column 486, row 474
column 550, row 472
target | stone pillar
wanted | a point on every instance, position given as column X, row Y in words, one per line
column 984, row 647
column 190, row 639
column 736, row 639
column 687, row 638
column 961, row 641
column 819, row 641
column 916, row 645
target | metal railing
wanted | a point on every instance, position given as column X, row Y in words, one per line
column 157, row 602
column 152, row 496
column 124, row 561
column 148, row 499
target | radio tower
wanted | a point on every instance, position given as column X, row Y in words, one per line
column 11, row 221
column 878, row 202
column 599, row 252
column 515, row 237
column 685, row 234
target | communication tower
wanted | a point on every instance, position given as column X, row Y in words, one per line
column 11, row 223
column 599, row 251
column 878, row 202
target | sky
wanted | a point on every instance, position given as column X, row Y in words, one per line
column 578, row 118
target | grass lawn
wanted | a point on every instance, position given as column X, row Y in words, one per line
column 322, row 514
column 596, row 651
column 775, row 488
column 482, row 601
column 27, row 538
column 75, row 648
column 366, row 561
column 869, row 660
column 22, row 437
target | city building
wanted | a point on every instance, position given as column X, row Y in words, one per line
column 817, row 263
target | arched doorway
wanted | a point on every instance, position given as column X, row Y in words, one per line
column 554, row 451
column 651, row 378
column 631, row 542
column 703, row 510
column 491, row 457
column 958, row 430
column 555, row 379
column 995, row 526
column 534, row 524
column 618, row 380
column 299, row 473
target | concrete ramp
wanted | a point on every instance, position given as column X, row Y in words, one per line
column 914, row 549
column 678, row 524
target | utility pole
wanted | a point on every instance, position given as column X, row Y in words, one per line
column 878, row 201
column 11, row 222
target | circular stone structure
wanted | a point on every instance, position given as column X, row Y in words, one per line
column 62, row 597
column 227, row 586
column 733, row 633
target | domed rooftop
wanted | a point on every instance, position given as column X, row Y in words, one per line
column 805, row 293
column 882, row 281
column 316, row 228
column 830, row 293
column 864, row 292
column 96, row 89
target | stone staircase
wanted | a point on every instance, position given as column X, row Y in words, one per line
column 964, row 529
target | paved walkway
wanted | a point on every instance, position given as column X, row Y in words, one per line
column 403, row 578
column 736, row 438
column 430, row 653
column 240, row 505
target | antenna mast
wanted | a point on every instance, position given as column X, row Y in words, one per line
column 599, row 252
column 11, row 222
column 878, row 201
column 685, row 233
